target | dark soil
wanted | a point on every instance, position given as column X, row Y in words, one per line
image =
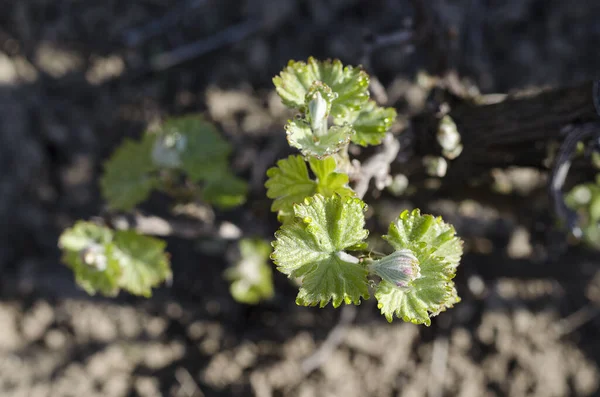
column 76, row 77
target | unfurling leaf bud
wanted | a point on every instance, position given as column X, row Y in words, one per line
column 167, row 150
column 319, row 99
column 399, row 268
column 317, row 109
column 94, row 255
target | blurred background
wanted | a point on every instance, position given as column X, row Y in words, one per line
column 78, row 76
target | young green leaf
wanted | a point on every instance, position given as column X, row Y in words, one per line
column 329, row 182
column 251, row 278
column 105, row 261
column 371, row 123
column 301, row 136
column 350, row 84
column 313, row 249
column 289, row 183
column 203, row 152
column 129, row 174
column 434, row 244
column 194, row 145
column 87, row 250
column 143, row 261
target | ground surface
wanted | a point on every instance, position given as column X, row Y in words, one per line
column 78, row 76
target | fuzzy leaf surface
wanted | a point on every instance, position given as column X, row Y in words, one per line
column 329, row 182
column 312, row 249
column 75, row 242
column 438, row 251
column 106, row 261
column 370, row 123
column 348, row 83
column 289, row 183
column 300, row 135
column 143, row 261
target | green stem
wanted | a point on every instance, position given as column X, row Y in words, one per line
column 342, row 161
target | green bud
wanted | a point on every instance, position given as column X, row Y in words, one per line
column 317, row 108
column 319, row 99
column 399, row 268
column 167, row 150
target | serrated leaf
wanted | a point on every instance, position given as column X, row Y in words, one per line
column 370, row 123
column 128, row 176
column 251, row 278
column 289, row 183
column 203, row 152
column 82, row 234
column 143, row 261
column 350, row 84
column 226, row 192
column 412, row 229
column 88, row 238
column 105, row 261
column 438, row 252
column 300, row 135
column 312, row 249
column 329, row 182
column 428, row 296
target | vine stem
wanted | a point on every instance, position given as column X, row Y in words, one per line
column 372, row 168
